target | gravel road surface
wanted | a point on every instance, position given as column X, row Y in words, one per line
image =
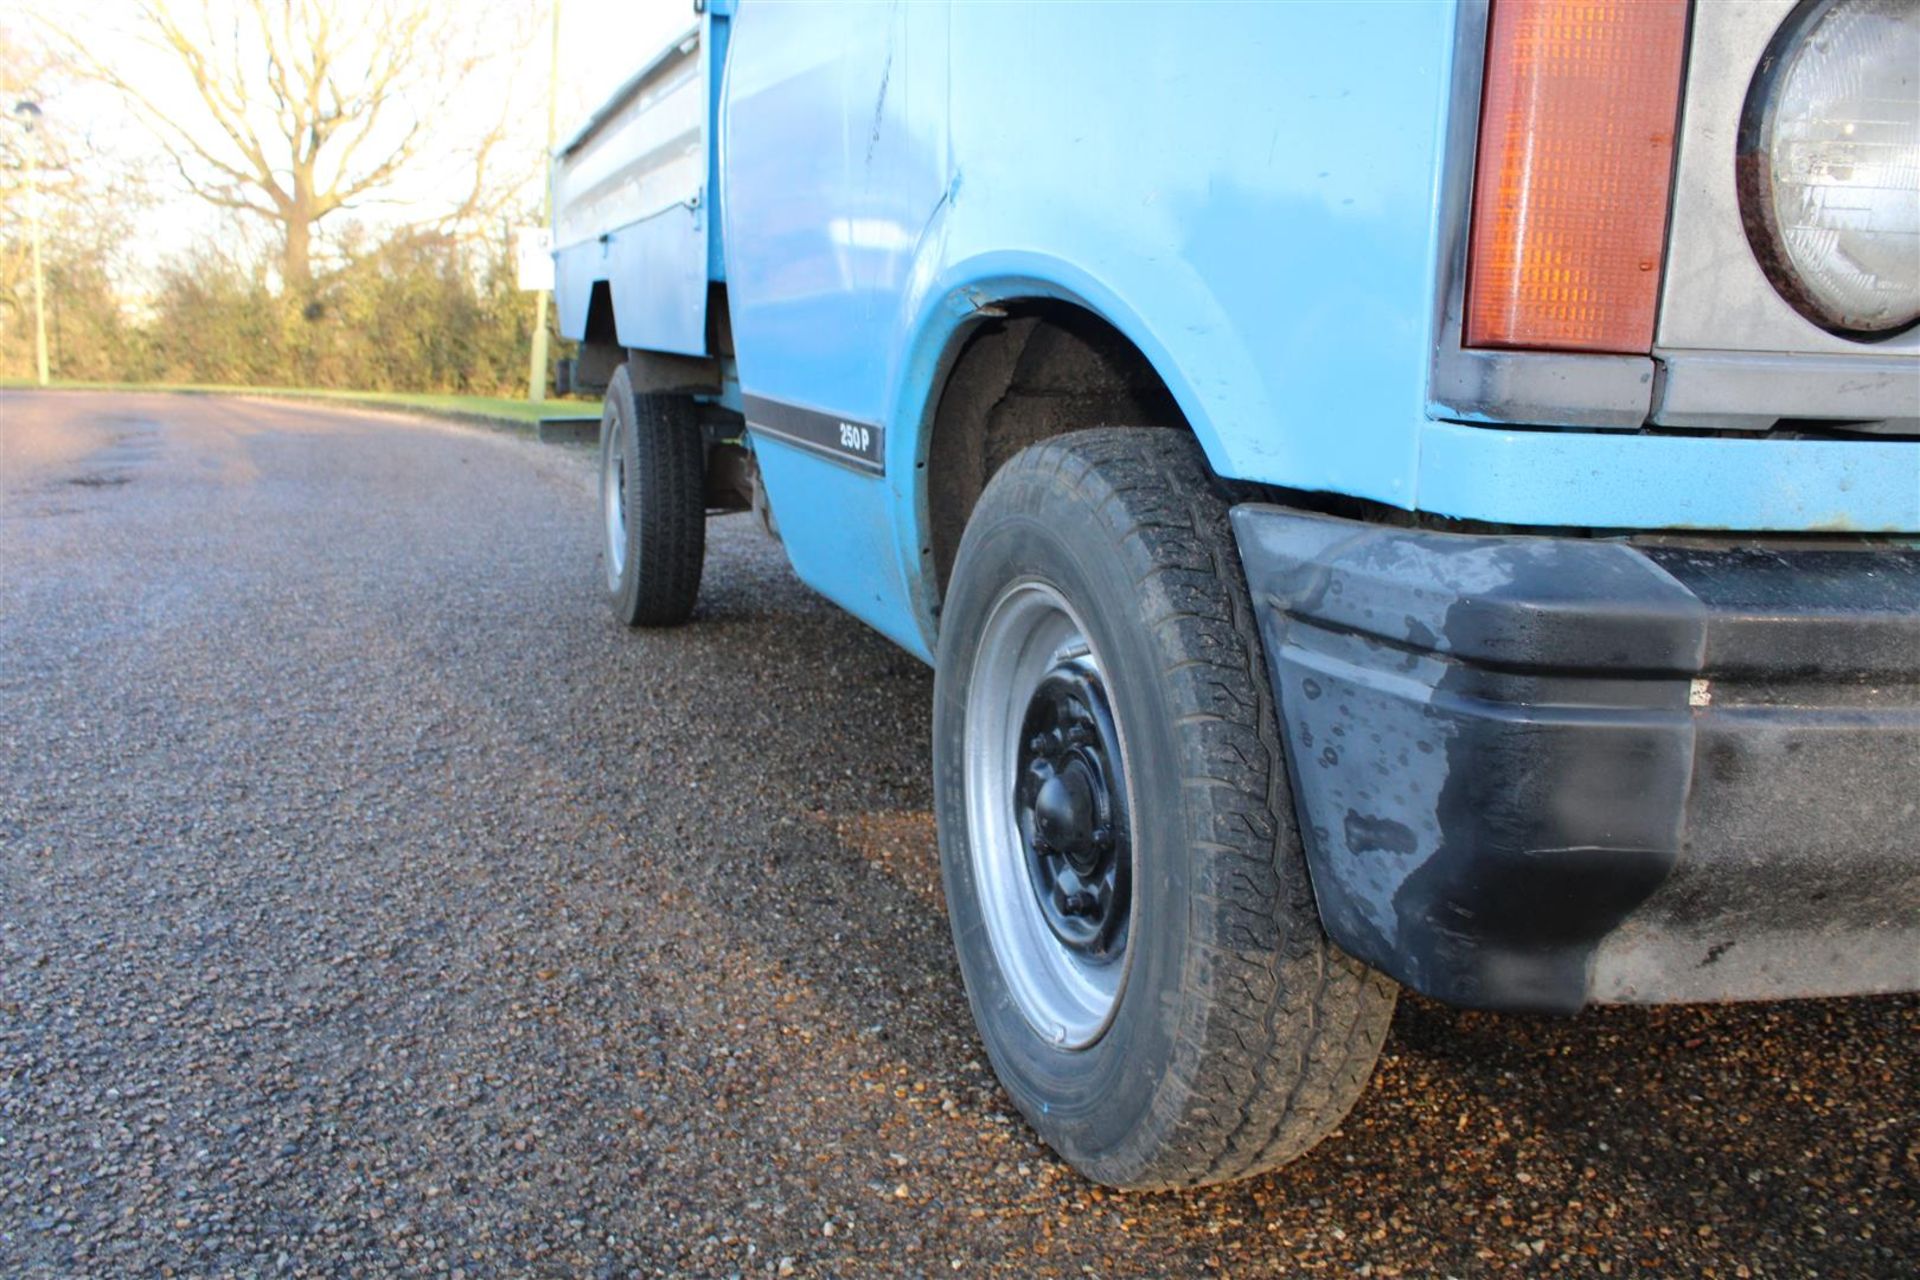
column 370, row 904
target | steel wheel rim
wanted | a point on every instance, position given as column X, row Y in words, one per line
column 613, row 502
column 1068, row 994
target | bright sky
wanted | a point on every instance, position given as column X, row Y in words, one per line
column 602, row 42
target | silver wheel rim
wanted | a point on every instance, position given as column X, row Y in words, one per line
column 613, row 503
column 1030, row 631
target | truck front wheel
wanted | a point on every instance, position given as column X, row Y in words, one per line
column 1128, row 893
column 652, row 504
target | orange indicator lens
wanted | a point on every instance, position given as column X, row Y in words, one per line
column 1570, row 186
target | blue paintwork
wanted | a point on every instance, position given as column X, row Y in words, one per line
column 715, row 34
column 1248, row 192
column 658, row 268
column 838, row 116
column 1607, row 480
column 668, row 252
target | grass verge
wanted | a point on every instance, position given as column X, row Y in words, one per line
column 488, row 409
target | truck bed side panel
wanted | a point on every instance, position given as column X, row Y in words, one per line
column 631, row 207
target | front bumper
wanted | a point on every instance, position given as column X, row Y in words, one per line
column 1536, row 772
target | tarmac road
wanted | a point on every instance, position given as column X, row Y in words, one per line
column 374, row 905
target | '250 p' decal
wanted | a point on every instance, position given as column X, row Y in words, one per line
column 857, row 444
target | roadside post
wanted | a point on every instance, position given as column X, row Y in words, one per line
column 537, row 357
column 533, row 270
column 29, row 113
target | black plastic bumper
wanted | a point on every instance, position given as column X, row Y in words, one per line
column 1537, row 772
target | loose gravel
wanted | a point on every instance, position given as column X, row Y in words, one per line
column 373, row 905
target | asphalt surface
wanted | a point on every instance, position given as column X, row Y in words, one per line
column 374, row 905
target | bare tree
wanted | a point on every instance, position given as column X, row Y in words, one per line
column 302, row 108
column 88, row 207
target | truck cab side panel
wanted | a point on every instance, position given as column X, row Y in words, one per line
column 1251, row 194
column 835, row 144
column 872, row 247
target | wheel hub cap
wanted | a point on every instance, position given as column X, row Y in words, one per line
column 1047, row 815
column 613, row 500
column 1069, row 806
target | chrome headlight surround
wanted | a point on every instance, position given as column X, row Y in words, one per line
column 1850, row 265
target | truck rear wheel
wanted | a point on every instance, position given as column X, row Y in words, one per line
column 1128, row 892
column 652, row 504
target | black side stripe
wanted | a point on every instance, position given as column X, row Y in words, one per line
column 861, row 445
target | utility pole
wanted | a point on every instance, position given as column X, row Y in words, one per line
column 28, row 114
column 537, row 359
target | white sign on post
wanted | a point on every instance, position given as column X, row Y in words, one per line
column 533, row 257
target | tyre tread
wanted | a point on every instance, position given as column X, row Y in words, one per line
column 1279, row 1030
column 666, row 508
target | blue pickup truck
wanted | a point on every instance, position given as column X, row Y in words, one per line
column 1419, row 495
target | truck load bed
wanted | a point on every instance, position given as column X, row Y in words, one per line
column 635, row 207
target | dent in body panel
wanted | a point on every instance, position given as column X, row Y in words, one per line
column 634, row 198
column 836, row 159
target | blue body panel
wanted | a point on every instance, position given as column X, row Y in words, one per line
column 656, row 265
column 835, row 140
column 658, row 271
column 1248, row 192
column 1611, row 481
column 1272, row 263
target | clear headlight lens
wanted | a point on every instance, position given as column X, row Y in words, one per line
column 1829, row 164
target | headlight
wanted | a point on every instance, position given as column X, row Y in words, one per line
column 1829, row 164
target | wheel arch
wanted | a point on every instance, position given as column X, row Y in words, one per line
column 1007, row 354
column 598, row 328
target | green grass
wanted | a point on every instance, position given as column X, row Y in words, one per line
column 497, row 409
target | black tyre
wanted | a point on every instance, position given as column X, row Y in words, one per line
column 1128, row 892
column 652, row 504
